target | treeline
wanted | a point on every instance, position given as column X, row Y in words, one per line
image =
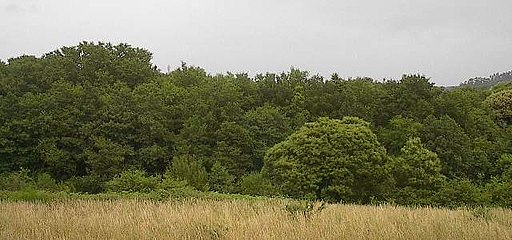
column 100, row 117
column 489, row 82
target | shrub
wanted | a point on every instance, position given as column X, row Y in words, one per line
column 133, row 181
column 86, row 184
column 257, row 185
column 192, row 171
column 460, row 192
column 305, row 208
column 500, row 193
column 30, row 195
column 45, row 182
column 15, row 181
column 219, row 179
column 505, row 164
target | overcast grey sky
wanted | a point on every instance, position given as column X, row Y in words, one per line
column 447, row 40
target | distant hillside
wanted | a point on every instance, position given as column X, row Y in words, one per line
column 488, row 82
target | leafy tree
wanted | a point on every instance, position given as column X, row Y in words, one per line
column 248, row 89
column 3, row 67
column 197, row 139
column 219, row 179
column 484, row 155
column 191, row 170
column 466, row 107
column 100, row 64
column 267, row 126
column 274, row 89
column 25, row 123
column 359, row 97
column 219, row 97
column 480, row 124
column 234, row 148
column 446, row 138
column 188, row 76
column 330, row 159
column 410, row 97
column 106, row 158
column 502, row 86
column 296, row 111
column 322, row 97
column 57, row 161
column 158, row 120
column 24, row 74
column 460, row 104
column 397, row 132
column 505, row 164
column 501, row 103
column 417, row 173
column 206, row 107
column 155, row 158
column 62, row 148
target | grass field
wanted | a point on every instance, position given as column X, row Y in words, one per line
column 243, row 219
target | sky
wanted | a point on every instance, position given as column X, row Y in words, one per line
column 448, row 41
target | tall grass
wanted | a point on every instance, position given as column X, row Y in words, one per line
column 242, row 219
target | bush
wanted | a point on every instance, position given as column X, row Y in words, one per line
column 170, row 183
column 500, row 193
column 305, row 208
column 505, row 164
column 410, row 196
column 133, row 181
column 29, row 195
column 457, row 193
column 45, row 182
column 86, row 184
column 257, row 185
column 192, row 171
column 15, row 181
column 219, row 179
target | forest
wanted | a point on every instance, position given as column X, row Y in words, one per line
column 99, row 118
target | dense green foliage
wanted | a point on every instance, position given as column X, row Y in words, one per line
column 330, row 159
column 100, row 117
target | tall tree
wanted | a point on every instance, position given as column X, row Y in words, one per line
column 446, row 138
column 417, row 173
column 501, row 103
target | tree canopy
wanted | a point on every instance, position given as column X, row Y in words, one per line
column 330, row 159
column 86, row 115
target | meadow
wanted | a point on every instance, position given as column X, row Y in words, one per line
column 244, row 219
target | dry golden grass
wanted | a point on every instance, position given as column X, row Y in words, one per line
column 239, row 219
